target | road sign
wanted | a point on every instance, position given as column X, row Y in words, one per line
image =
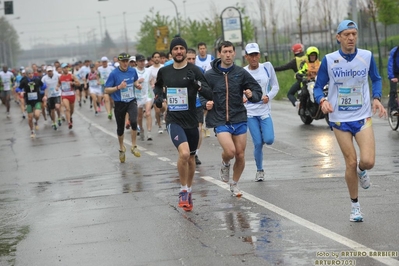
column 162, row 38
column 232, row 26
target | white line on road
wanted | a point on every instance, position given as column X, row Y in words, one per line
column 305, row 223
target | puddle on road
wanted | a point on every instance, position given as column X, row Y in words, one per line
column 270, row 237
column 12, row 230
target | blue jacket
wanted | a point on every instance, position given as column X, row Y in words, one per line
column 393, row 63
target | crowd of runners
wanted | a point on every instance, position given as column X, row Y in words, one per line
column 187, row 90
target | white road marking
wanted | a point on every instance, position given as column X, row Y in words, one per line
column 286, row 214
column 305, row 223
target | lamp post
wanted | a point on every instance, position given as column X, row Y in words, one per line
column 124, row 24
column 101, row 26
column 177, row 17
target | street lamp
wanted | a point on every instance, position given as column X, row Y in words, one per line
column 124, row 24
column 177, row 17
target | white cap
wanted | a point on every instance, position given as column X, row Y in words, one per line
column 23, row 71
column 252, row 48
column 49, row 68
column 132, row 58
column 104, row 58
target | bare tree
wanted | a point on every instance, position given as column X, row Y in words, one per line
column 372, row 9
column 302, row 7
column 263, row 21
column 274, row 17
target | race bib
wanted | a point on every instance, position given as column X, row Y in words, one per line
column 65, row 86
column 32, row 96
column 177, row 99
column 127, row 93
column 53, row 92
column 93, row 83
column 350, row 99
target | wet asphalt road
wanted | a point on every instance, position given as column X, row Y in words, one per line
column 66, row 200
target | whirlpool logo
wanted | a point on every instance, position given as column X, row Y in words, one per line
column 342, row 73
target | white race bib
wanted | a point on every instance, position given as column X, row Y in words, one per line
column 350, row 99
column 177, row 99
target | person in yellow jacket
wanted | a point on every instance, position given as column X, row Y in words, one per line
column 308, row 72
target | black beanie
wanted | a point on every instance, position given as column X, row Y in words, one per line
column 177, row 41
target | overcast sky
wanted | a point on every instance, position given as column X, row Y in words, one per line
column 59, row 21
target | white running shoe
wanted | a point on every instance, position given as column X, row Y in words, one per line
column 224, row 172
column 356, row 215
column 160, row 130
column 235, row 191
column 364, row 178
column 260, row 175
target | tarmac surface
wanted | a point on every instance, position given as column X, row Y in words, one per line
column 65, row 199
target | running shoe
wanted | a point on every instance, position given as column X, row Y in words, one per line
column 96, row 113
column 183, row 199
column 160, row 130
column 364, row 178
column 54, row 126
column 190, row 206
column 149, row 138
column 80, row 104
column 23, row 116
column 260, row 175
column 36, row 126
column 224, row 173
column 98, row 109
column 235, row 191
column 70, row 125
column 110, row 116
column 122, row 156
column 32, row 134
column 59, row 122
column 142, row 136
column 197, row 161
column 135, row 151
column 356, row 215
column 91, row 106
column 8, row 114
column 63, row 118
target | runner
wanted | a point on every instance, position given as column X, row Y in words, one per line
column 7, row 80
column 154, row 68
column 182, row 82
column 53, row 94
column 94, row 88
column 66, row 81
column 120, row 85
column 105, row 70
column 30, row 87
column 145, row 97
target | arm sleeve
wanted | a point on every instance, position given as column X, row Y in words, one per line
column 290, row 65
column 322, row 80
column 390, row 63
column 273, row 82
column 375, row 79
